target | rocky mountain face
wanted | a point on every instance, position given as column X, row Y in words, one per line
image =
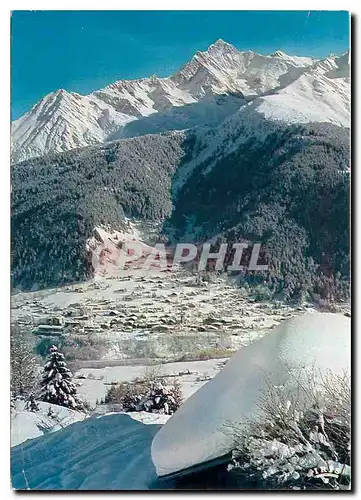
column 206, row 90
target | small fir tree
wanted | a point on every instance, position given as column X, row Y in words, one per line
column 31, row 404
column 57, row 385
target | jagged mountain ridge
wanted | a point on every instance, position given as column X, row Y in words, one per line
column 65, row 120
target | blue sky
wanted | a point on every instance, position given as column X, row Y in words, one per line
column 85, row 50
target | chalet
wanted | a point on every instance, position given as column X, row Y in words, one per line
column 50, row 326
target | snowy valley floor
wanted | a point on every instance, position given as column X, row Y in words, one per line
column 146, row 319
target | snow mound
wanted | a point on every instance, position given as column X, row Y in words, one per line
column 196, row 433
column 105, row 453
column 29, row 425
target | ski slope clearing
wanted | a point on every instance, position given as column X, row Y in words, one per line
column 105, row 453
column 197, row 431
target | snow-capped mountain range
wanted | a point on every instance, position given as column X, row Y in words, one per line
column 212, row 86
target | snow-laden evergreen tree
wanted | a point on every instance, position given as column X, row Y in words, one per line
column 57, row 385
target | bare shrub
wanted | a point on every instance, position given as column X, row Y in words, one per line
column 150, row 393
column 303, row 439
column 328, row 305
column 262, row 293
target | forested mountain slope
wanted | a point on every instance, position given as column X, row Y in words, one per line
column 235, row 146
column 57, row 201
column 288, row 190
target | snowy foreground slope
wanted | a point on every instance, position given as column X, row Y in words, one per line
column 117, row 452
column 29, row 425
column 107, row 453
column 196, row 432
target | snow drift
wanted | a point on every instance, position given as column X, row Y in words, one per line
column 105, row 453
column 28, row 425
column 196, row 432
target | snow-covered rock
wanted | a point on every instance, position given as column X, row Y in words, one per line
column 196, row 433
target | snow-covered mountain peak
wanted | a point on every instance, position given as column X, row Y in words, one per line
column 332, row 66
column 224, row 68
column 54, row 98
column 64, row 120
column 219, row 47
column 278, row 53
column 61, row 121
column 220, row 43
column 298, row 61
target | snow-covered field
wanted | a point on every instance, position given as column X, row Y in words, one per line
column 191, row 375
